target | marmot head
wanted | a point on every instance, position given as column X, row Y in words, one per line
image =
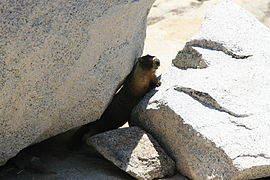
column 149, row 62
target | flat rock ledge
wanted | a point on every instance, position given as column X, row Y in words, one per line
column 212, row 115
column 134, row 151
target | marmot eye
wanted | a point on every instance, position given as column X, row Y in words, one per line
column 157, row 62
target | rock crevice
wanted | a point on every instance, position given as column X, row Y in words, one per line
column 189, row 57
column 207, row 100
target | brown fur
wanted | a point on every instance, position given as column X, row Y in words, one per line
column 137, row 84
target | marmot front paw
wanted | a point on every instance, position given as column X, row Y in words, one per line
column 158, row 84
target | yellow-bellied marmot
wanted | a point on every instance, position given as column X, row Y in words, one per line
column 141, row 79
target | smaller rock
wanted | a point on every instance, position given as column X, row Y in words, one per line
column 189, row 58
column 134, row 151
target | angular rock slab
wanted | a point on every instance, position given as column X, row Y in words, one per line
column 60, row 63
column 215, row 121
column 134, row 151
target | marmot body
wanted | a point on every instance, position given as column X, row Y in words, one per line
column 141, row 79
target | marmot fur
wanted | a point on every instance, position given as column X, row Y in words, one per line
column 141, row 79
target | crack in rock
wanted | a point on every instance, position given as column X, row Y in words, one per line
column 191, row 58
column 204, row 43
column 205, row 99
column 240, row 125
column 253, row 156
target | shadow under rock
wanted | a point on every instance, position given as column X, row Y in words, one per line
column 55, row 162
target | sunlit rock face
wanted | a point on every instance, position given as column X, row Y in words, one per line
column 61, row 62
column 214, row 119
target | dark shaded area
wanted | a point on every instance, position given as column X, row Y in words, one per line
column 266, row 178
column 51, row 160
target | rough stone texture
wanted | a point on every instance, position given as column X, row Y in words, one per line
column 200, row 126
column 134, row 151
column 60, row 63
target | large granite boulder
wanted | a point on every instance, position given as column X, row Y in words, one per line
column 61, row 62
column 211, row 112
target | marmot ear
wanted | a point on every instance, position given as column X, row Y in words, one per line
column 140, row 59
